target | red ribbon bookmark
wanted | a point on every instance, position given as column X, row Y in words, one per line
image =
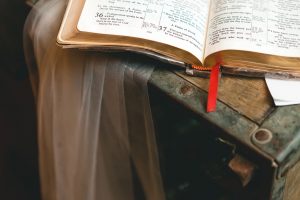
column 213, row 88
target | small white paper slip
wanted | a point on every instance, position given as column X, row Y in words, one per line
column 284, row 91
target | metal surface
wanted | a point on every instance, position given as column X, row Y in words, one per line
column 283, row 124
column 276, row 139
column 284, row 147
column 195, row 156
column 227, row 126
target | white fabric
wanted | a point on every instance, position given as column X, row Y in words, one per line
column 94, row 118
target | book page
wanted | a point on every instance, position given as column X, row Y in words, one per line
column 264, row 26
column 179, row 23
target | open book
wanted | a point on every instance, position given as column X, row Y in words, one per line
column 257, row 36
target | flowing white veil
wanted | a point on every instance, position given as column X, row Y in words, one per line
column 95, row 130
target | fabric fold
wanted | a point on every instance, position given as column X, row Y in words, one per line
column 95, row 130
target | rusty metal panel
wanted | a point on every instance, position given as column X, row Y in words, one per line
column 226, row 127
column 275, row 138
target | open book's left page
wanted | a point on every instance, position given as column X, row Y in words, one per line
column 179, row 23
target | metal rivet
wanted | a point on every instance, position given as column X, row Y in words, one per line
column 262, row 136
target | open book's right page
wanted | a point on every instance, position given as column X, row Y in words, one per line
column 264, row 26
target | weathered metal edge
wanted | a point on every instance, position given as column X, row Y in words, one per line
column 284, row 147
column 277, row 190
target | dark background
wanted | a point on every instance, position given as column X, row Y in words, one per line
column 18, row 138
